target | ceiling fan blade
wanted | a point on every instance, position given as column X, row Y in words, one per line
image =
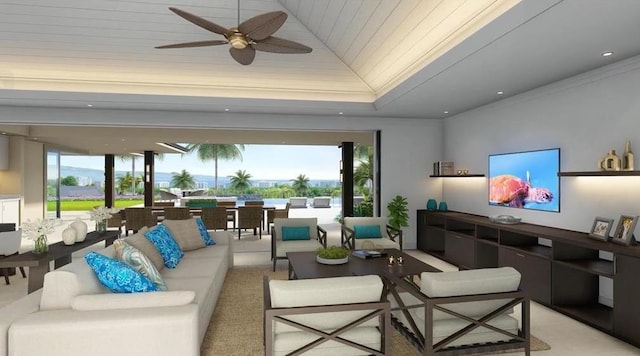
column 194, row 44
column 280, row 45
column 197, row 20
column 262, row 26
column 243, row 56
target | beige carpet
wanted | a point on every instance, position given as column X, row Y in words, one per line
column 236, row 325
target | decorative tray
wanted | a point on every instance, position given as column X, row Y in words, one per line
column 505, row 219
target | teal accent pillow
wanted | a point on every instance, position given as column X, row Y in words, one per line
column 167, row 246
column 295, row 233
column 118, row 276
column 141, row 263
column 367, row 231
column 204, row 233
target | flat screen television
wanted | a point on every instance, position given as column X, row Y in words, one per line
column 525, row 180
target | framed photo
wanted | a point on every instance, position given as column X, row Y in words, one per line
column 601, row 227
column 624, row 230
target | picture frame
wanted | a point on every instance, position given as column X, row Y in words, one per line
column 601, row 228
column 625, row 229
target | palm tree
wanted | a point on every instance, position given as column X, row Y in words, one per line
column 240, row 181
column 182, row 180
column 212, row 152
column 124, row 182
column 125, row 158
column 300, row 184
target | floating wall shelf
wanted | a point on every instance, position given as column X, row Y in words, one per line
column 457, row 176
column 599, row 173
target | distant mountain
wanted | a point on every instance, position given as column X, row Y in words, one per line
column 88, row 176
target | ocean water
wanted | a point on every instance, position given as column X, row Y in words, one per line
column 282, row 202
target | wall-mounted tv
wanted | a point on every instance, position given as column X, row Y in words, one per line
column 526, row 180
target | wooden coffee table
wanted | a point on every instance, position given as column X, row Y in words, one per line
column 303, row 265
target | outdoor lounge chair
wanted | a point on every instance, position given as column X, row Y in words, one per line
column 321, row 202
column 298, row 202
column 164, row 195
column 358, row 232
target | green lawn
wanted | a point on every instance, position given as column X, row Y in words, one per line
column 86, row 205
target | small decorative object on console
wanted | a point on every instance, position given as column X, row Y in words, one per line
column 37, row 231
column 69, row 236
column 601, row 227
column 610, row 162
column 627, row 158
column 505, row 219
column 432, row 205
column 624, row 230
column 81, row 229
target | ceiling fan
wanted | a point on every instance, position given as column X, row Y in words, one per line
column 249, row 36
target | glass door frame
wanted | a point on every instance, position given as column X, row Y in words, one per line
column 53, row 154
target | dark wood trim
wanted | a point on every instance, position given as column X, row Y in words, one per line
column 109, row 180
column 347, row 178
column 149, row 169
column 457, row 176
column 598, row 173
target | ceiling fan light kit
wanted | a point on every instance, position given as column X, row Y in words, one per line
column 251, row 35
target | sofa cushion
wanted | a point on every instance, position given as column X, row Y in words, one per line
column 146, row 247
column 295, row 233
column 166, row 245
column 367, row 231
column 141, row 263
column 132, row 300
column 117, row 276
column 204, row 233
column 186, row 233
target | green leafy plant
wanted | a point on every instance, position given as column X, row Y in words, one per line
column 398, row 212
column 332, row 252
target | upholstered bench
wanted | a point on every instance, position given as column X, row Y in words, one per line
column 465, row 309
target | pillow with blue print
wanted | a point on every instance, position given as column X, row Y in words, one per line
column 118, row 276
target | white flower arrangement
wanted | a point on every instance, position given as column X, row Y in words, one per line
column 102, row 213
column 39, row 227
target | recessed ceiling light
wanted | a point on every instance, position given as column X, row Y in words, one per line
column 446, row 111
column 4, row 133
column 226, row 109
column 500, row 92
column 89, row 105
column 607, row 54
column 340, row 113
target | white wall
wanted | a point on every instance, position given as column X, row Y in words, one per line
column 586, row 116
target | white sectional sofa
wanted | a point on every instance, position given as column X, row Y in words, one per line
column 73, row 314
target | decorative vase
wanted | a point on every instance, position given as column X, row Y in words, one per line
column 101, row 226
column 627, row 158
column 41, row 245
column 442, row 206
column 432, row 205
column 69, row 236
column 81, row 229
column 611, row 162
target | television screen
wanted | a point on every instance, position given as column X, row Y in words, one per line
column 526, row 180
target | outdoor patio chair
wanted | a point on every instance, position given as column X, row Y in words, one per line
column 321, row 202
column 369, row 232
column 215, row 218
column 136, row 218
column 326, row 316
column 231, row 214
column 177, row 213
column 9, row 245
column 277, row 214
column 298, row 202
column 295, row 235
column 197, row 193
column 116, row 220
column 250, row 217
column 467, row 311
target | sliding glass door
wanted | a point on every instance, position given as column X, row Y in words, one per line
column 53, row 184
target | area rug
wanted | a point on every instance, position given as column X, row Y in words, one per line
column 236, row 325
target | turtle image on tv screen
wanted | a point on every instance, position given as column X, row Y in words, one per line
column 525, row 180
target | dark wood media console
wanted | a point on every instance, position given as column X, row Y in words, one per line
column 560, row 269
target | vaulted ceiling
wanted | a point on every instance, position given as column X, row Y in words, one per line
column 392, row 58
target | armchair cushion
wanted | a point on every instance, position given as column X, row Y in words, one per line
column 367, row 231
column 118, row 276
column 469, row 282
column 295, row 233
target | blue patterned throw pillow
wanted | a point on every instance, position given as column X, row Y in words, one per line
column 168, row 247
column 204, row 233
column 367, row 231
column 117, row 276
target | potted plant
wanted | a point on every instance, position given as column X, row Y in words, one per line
column 332, row 255
column 398, row 212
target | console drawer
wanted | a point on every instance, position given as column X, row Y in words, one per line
column 459, row 250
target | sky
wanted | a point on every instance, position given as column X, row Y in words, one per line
column 261, row 161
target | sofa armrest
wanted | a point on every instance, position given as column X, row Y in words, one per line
column 15, row 311
column 110, row 301
column 141, row 332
